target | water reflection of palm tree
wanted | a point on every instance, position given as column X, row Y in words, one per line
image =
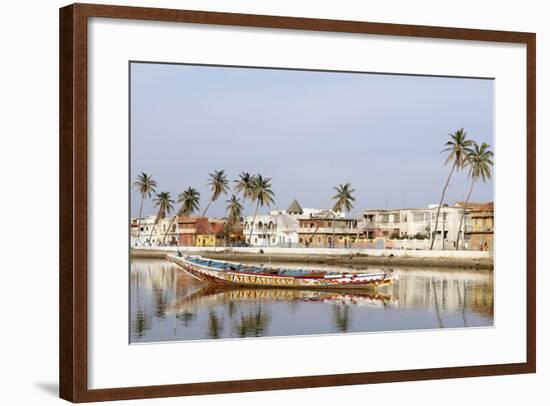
column 341, row 316
column 462, row 300
column 186, row 318
column 231, row 307
column 253, row 324
column 160, row 294
column 141, row 323
column 436, row 302
column 215, row 325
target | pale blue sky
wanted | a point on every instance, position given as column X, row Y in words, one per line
column 307, row 130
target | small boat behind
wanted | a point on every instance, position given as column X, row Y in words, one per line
column 217, row 272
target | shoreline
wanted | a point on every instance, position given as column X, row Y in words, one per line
column 352, row 258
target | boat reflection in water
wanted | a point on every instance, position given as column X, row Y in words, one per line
column 169, row 305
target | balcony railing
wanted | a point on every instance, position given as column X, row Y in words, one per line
column 329, row 230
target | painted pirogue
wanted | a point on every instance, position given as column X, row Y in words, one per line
column 231, row 273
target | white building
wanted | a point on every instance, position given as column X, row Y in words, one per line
column 417, row 224
column 279, row 228
column 145, row 232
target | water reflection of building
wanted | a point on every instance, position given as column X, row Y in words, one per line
column 168, row 304
column 445, row 291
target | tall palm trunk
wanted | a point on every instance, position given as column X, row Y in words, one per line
column 439, row 207
column 333, row 230
column 151, row 235
column 317, row 227
column 464, row 215
column 253, row 221
column 207, row 207
column 139, row 219
column 168, row 229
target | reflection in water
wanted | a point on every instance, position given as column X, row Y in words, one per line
column 167, row 305
column 341, row 317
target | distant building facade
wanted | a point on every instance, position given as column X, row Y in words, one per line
column 147, row 232
column 419, row 224
column 482, row 227
column 200, row 232
column 279, row 228
column 327, row 232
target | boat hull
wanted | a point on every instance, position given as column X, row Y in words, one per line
column 243, row 279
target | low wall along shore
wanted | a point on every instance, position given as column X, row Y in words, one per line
column 336, row 256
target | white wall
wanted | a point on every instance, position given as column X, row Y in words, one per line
column 28, row 163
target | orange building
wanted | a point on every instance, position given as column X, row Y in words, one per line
column 204, row 232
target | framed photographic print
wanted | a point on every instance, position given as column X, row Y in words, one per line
column 256, row 202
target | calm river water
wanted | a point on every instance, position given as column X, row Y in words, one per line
column 168, row 305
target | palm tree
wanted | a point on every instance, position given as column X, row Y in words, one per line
column 344, row 200
column 244, row 185
column 165, row 205
column 189, row 199
column 234, row 210
column 458, row 148
column 146, row 186
column 261, row 194
column 218, row 185
column 480, row 162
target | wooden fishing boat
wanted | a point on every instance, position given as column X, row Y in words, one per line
column 218, row 272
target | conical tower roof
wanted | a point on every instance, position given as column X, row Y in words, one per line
column 295, row 208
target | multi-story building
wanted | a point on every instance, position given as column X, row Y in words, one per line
column 148, row 232
column 481, row 231
column 279, row 228
column 324, row 231
column 419, row 223
column 200, row 232
column 381, row 223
